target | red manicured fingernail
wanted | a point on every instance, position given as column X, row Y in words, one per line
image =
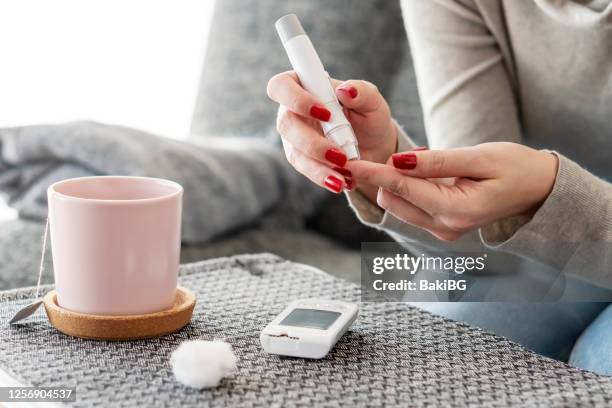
column 351, row 91
column 416, row 149
column 333, row 183
column 348, row 177
column 345, row 172
column 320, row 112
column 405, row 161
column 336, row 156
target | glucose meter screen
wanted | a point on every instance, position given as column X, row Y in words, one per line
column 310, row 318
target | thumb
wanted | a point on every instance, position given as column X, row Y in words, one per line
column 462, row 162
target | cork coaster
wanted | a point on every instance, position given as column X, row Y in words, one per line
column 132, row 327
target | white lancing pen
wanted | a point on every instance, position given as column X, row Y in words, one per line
column 309, row 68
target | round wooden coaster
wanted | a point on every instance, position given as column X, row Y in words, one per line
column 132, row 327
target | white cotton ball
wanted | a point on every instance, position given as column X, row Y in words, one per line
column 202, row 364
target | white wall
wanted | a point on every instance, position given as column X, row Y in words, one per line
column 131, row 62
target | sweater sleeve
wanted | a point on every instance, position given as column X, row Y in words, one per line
column 464, row 72
column 571, row 231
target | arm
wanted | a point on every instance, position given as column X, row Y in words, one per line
column 562, row 217
column 465, row 82
column 465, row 86
column 463, row 74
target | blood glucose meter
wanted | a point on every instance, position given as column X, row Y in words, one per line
column 308, row 328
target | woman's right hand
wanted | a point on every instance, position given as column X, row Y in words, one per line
column 308, row 150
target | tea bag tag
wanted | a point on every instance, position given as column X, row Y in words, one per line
column 29, row 309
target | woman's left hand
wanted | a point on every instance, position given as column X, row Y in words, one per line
column 488, row 182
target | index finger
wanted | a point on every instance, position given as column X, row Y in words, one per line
column 459, row 162
column 424, row 194
column 285, row 89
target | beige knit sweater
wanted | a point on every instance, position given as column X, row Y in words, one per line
column 537, row 72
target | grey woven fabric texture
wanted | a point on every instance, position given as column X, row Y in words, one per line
column 219, row 199
column 394, row 355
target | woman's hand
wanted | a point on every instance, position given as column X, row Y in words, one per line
column 306, row 148
column 487, row 182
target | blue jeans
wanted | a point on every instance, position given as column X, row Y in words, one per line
column 578, row 332
column 593, row 350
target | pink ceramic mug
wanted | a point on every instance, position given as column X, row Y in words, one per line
column 116, row 243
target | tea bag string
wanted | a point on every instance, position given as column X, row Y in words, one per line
column 29, row 309
column 42, row 257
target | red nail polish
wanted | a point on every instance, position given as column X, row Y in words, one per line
column 320, row 112
column 351, row 91
column 345, row 172
column 405, row 161
column 333, row 183
column 419, row 148
column 336, row 156
column 349, row 183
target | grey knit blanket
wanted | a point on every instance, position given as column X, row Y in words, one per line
column 394, row 355
column 229, row 183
